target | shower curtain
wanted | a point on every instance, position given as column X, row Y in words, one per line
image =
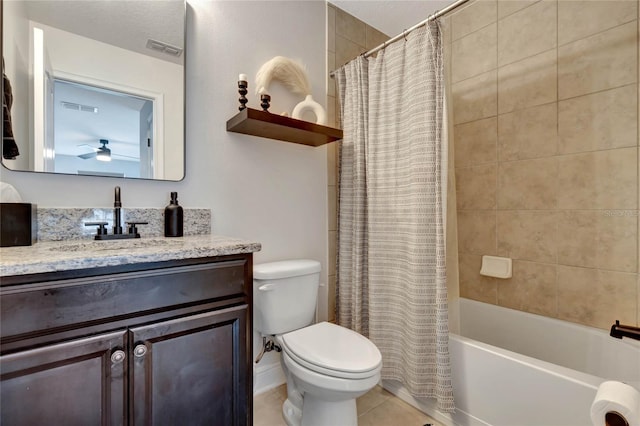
column 391, row 282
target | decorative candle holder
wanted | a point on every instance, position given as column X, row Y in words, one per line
column 242, row 89
column 265, row 102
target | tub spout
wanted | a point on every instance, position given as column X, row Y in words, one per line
column 619, row 331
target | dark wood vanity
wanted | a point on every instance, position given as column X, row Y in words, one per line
column 162, row 343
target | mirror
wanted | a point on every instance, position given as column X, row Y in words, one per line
column 96, row 87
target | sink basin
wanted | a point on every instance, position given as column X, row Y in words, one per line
column 117, row 245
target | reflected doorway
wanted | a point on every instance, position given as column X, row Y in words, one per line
column 101, row 131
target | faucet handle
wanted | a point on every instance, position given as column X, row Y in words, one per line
column 133, row 229
column 102, row 227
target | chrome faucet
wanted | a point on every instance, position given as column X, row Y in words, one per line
column 102, row 234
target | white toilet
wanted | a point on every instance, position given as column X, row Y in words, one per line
column 327, row 366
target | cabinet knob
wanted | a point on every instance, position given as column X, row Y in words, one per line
column 117, row 356
column 140, row 351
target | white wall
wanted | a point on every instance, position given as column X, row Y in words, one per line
column 16, row 58
column 268, row 191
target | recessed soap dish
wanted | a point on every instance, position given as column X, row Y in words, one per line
column 498, row 267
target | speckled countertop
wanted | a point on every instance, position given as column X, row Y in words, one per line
column 52, row 256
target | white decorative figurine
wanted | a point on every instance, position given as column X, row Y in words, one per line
column 294, row 77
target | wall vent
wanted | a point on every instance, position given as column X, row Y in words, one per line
column 160, row 46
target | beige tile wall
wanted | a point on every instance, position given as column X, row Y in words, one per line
column 545, row 113
column 347, row 37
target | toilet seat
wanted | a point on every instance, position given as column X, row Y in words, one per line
column 333, row 350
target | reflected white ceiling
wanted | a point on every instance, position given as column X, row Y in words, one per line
column 391, row 16
column 127, row 24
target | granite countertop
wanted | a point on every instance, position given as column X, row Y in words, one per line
column 53, row 256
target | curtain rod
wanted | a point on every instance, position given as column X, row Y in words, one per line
column 437, row 14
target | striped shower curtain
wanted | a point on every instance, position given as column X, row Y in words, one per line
column 391, row 280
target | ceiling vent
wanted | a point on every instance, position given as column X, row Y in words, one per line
column 78, row 107
column 162, row 47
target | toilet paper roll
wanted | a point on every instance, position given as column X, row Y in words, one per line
column 616, row 400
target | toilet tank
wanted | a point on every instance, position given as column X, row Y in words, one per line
column 285, row 295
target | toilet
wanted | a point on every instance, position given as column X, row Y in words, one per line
column 326, row 366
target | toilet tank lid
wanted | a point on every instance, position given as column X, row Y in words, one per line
column 285, row 269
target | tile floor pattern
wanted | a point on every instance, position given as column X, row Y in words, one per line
column 376, row 408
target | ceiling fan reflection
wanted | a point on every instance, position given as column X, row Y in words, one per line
column 102, row 153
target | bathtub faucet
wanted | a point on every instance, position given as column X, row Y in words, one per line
column 619, row 331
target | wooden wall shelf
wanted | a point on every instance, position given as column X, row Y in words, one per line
column 259, row 123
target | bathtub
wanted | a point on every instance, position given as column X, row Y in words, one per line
column 511, row 368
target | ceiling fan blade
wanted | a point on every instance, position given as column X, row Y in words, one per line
column 124, row 156
column 88, row 146
column 87, row 156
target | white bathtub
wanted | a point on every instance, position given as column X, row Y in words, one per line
column 511, row 368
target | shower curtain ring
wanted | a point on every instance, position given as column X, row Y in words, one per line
column 404, row 34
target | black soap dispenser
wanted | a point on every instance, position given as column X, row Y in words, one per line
column 173, row 218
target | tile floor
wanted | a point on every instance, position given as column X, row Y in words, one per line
column 376, row 408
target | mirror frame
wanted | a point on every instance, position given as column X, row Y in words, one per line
column 184, row 110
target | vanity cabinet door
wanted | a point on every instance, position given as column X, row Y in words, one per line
column 192, row 370
column 80, row 382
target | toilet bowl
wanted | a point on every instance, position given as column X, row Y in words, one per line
column 330, row 366
column 326, row 366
